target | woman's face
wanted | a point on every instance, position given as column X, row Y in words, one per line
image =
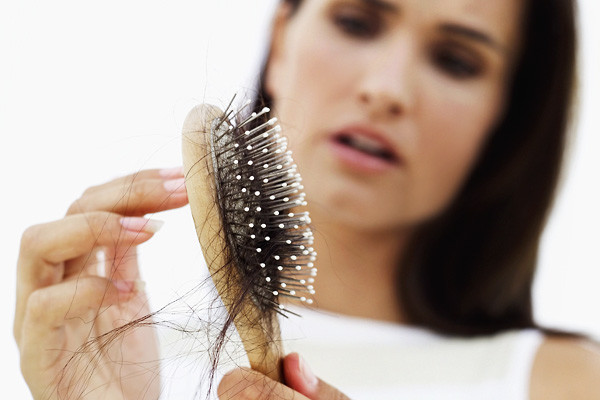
column 387, row 103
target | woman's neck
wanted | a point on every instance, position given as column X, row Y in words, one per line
column 357, row 271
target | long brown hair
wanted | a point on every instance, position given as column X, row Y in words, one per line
column 471, row 269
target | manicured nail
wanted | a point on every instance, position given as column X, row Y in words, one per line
column 175, row 185
column 310, row 380
column 171, row 172
column 138, row 224
column 129, row 286
column 123, row 286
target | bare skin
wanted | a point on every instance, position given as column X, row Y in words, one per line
column 62, row 301
column 302, row 384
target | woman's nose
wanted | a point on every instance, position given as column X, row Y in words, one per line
column 386, row 88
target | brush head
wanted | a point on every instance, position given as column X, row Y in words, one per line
column 246, row 199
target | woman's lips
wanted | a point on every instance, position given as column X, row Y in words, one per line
column 364, row 150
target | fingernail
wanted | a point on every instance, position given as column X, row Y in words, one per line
column 138, row 224
column 310, row 380
column 171, row 172
column 123, row 286
column 129, row 286
column 175, row 185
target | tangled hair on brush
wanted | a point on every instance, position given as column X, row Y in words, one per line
column 256, row 241
column 470, row 270
column 260, row 199
column 262, row 251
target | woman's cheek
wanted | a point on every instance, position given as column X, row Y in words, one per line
column 327, row 69
column 451, row 139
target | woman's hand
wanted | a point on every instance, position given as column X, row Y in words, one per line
column 64, row 300
column 243, row 383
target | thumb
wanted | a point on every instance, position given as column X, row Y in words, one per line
column 299, row 377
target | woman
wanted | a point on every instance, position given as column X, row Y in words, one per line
column 429, row 136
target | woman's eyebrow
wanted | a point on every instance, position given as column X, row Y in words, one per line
column 452, row 28
column 473, row 34
column 381, row 5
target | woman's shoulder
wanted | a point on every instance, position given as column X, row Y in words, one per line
column 566, row 368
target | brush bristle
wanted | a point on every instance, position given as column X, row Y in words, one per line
column 260, row 198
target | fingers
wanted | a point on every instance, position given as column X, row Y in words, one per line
column 165, row 174
column 299, row 377
column 49, row 309
column 45, row 247
column 145, row 192
column 77, row 235
column 59, row 298
column 119, row 255
column 246, row 384
column 243, row 383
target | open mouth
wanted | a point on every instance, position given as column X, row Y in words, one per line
column 367, row 146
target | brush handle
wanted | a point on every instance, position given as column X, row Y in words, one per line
column 262, row 343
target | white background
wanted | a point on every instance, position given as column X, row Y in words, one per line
column 92, row 90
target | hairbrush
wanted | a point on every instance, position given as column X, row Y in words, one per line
column 246, row 200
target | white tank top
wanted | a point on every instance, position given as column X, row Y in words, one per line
column 373, row 360
column 369, row 360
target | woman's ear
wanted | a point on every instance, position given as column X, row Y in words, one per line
column 276, row 59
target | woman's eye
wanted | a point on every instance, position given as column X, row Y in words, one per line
column 357, row 26
column 456, row 65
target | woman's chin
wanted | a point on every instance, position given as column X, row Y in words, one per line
column 352, row 214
